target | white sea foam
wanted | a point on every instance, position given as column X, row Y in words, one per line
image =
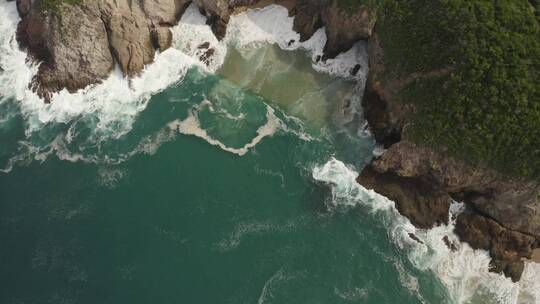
column 272, row 25
column 110, row 177
column 250, row 228
column 116, row 102
column 268, row 25
column 464, row 273
column 191, row 126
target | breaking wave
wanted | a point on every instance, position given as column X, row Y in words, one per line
column 463, row 272
column 191, row 126
column 107, row 111
column 78, row 126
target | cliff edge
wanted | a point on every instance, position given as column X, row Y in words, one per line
column 503, row 210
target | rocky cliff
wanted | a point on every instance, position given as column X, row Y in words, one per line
column 343, row 27
column 79, row 42
column 503, row 213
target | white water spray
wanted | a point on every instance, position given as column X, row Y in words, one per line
column 465, row 272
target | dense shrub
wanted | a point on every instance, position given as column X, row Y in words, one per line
column 486, row 108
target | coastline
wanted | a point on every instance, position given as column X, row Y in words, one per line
column 410, row 164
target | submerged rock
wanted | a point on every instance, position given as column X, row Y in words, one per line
column 415, row 238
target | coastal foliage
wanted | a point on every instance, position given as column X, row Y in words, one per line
column 477, row 85
column 53, row 4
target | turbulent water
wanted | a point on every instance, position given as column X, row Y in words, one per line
column 227, row 183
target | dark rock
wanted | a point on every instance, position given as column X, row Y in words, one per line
column 415, row 198
column 308, row 17
column 507, row 247
column 218, row 25
column 206, row 56
column 161, row 38
column 505, row 213
column 23, row 7
column 355, row 69
column 449, row 244
column 204, row 45
column 345, row 27
column 414, row 237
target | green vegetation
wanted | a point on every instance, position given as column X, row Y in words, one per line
column 485, row 107
column 53, row 4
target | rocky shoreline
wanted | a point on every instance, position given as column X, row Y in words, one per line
column 79, row 45
column 503, row 214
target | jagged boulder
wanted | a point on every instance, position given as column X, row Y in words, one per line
column 507, row 247
column 71, row 43
column 78, row 44
column 345, row 26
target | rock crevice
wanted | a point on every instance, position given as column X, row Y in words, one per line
column 78, row 44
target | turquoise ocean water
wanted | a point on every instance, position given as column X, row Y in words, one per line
column 231, row 186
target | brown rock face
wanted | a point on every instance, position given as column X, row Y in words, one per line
column 422, row 181
column 344, row 27
column 24, row 6
column 161, row 38
column 415, row 198
column 78, row 45
column 507, row 247
column 73, row 50
column 505, row 218
column 308, row 17
column 129, row 35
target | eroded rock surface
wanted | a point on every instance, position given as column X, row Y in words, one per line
column 73, row 48
column 504, row 213
column 344, row 27
column 78, row 44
